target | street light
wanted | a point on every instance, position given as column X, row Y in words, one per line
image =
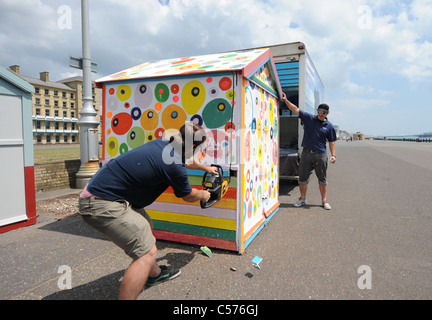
column 88, row 122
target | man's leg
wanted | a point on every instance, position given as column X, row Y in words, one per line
column 323, row 191
column 136, row 275
column 305, row 169
column 303, row 190
column 321, row 172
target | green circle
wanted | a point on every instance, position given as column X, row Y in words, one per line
column 216, row 113
column 161, row 92
column 123, row 148
column 135, row 137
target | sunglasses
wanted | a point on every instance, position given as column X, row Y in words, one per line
column 322, row 112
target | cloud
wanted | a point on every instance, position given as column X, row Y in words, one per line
column 354, row 44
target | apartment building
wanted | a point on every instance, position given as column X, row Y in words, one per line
column 56, row 107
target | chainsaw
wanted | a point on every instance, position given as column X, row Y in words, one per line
column 215, row 185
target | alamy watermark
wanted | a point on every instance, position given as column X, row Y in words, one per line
column 365, row 279
column 364, row 21
column 64, row 282
column 64, row 21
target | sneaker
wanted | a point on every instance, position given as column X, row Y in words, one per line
column 300, row 203
column 165, row 275
column 326, row 205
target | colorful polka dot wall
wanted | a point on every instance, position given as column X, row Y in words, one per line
column 140, row 111
column 261, row 160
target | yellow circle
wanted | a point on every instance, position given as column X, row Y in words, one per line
column 260, row 153
column 112, row 146
column 123, row 92
column 149, row 120
column 230, row 95
column 193, row 96
column 271, row 112
column 173, row 117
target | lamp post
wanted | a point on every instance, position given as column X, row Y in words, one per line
column 88, row 122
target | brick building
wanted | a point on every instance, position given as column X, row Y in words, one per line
column 56, row 107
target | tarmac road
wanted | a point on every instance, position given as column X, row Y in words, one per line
column 380, row 218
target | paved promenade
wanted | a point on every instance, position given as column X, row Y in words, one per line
column 381, row 222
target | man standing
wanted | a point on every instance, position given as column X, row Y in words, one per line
column 317, row 131
column 113, row 201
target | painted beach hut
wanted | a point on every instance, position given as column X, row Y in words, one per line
column 234, row 97
column 17, row 182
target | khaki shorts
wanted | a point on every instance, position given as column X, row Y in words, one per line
column 129, row 228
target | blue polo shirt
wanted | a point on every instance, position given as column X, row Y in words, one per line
column 141, row 175
column 316, row 132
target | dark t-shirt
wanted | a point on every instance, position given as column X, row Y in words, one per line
column 142, row 174
column 316, row 132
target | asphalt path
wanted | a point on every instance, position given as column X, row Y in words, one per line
column 375, row 243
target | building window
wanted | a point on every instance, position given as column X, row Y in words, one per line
column 72, row 105
column 36, row 90
column 38, row 138
column 64, row 94
column 64, row 114
column 55, row 92
column 72, row 114
column 64, row 105
column 47, row 113
column 56, row 124
column 37, row 111
column 46, row 91
column 48, row 138
column 72, row 95
column 73, row 139
column 55, row 103
column 37, row 101
column 73, row 126
column 64, row 126
column 38, row 126
column 65, row 138
column 46, row 102
column 55, row 113
column 57, row 138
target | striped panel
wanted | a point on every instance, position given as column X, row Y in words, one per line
column 197, row 181
column 194, row 230
column 197, row 240
column 193, row 209
column 229, row 201
column 177, row 220
column 191, row 219
column 223, row 203
column 288, row 73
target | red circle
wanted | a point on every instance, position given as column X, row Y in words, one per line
column 121, row 123
column 225, row 83
column 111, row 91
column 175, row 88
column 159, row 132
column 229, row 126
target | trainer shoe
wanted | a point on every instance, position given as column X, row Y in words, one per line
column 165, row 275
column 300, row 203
column 326, row 205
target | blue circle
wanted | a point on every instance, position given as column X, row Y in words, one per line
column 136, row 113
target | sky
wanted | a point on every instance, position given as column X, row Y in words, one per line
column 374, row 57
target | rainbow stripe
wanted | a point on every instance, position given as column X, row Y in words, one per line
column 177, row 220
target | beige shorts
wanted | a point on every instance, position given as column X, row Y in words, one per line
column 129, row 228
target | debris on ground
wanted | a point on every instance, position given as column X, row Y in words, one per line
column 60, row 207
